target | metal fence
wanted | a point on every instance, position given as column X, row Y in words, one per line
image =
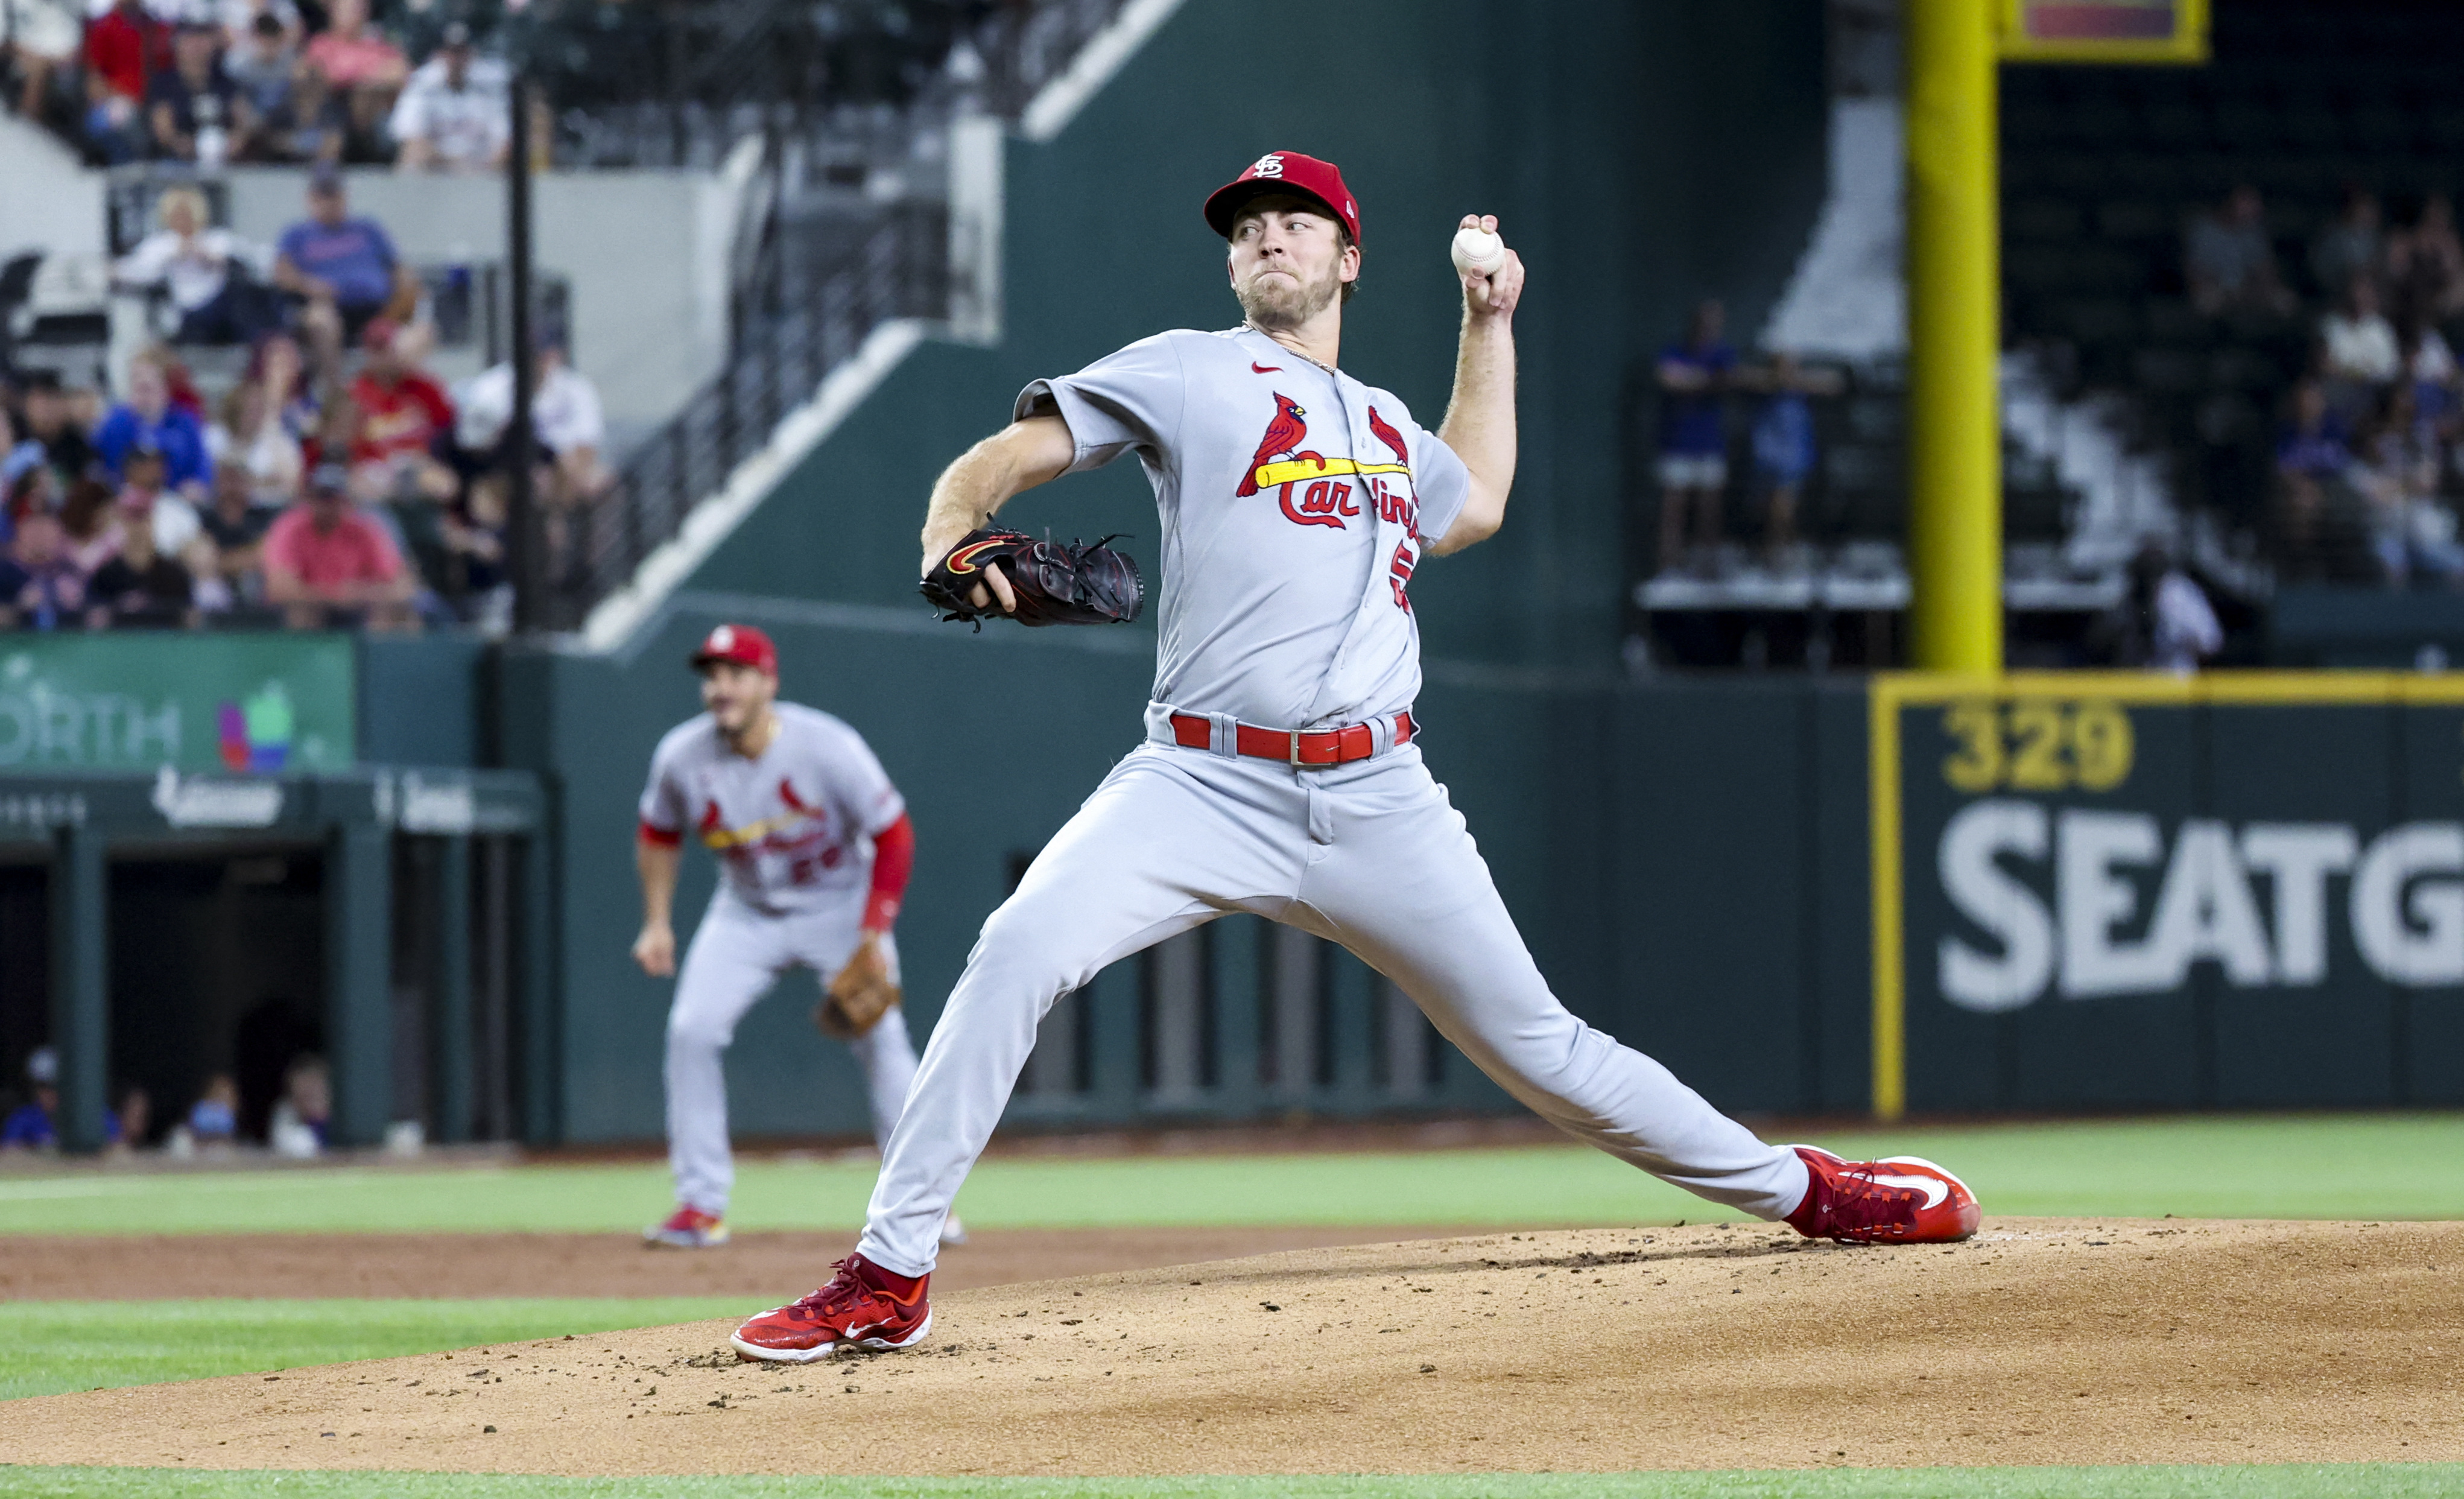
column 801, row 325
column 806, row 306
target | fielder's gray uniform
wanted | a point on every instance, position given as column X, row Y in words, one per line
column 793, row 834
column 1294, row 504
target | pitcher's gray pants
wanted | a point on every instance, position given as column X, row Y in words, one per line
column 1371, row 855
column 736, row 954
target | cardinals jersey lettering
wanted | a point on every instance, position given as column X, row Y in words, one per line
column 793, row 828
column 1295, row 502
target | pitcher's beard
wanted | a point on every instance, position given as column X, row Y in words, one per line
column 1280, row 303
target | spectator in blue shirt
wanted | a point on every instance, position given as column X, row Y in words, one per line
column 29, row 1126
column 1693, row 440
column 148, row 418
column 1783, row 446
column 345, row 268
column 32, row 1126
column 2312, row 459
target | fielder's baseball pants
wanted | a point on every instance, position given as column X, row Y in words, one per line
column 736, row 954
column 1371, row 855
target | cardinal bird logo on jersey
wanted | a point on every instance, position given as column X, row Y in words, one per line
column 1388, row 435
column 1284, row 437
column 1280, row 465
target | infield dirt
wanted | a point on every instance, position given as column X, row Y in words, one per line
column 762, row 1268
column 2039, row 1342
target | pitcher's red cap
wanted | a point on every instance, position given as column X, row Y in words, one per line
column 1284, row 171
column 740, row 644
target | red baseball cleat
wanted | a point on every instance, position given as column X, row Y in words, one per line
column 864, row 1305
column 688, row 1228
column 1902, row 1200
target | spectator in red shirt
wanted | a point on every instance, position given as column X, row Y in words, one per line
column 405, row 417
column 327, row 564
column 125, row 48
column 358, row 60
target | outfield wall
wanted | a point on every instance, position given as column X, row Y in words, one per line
column 2108, row 891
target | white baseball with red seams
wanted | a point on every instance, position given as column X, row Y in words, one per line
column 1295, row 504
column 1477, row 251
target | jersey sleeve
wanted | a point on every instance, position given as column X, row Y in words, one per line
column 866, row 798
column 1441, row 481
column 663, row 811
column 1124, row 401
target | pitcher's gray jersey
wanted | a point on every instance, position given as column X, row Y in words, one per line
column 793, row 828
column 1295, row 502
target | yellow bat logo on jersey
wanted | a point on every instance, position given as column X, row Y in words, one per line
column 1291, row 471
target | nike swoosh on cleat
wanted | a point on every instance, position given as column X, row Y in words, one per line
column 1934, row 1190
column 1265, row 369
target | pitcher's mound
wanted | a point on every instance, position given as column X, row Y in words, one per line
column 2040, row 1342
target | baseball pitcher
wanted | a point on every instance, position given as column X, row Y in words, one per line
column 1281, row 772
column 814, row 848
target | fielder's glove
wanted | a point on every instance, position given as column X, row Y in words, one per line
column 862, row 993
column 1081, row 583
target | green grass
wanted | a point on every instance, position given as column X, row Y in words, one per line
column 2357, row 1481
column 51, row 1347
column 2206, row 1166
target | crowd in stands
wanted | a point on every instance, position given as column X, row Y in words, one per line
column 297, row 1125
column 334, row 484
column 206, row 82
column 423, row 83
column 2370, row 457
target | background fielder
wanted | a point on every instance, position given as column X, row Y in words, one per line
column 814, row 849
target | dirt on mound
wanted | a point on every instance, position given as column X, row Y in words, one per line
column 763, row 1267
column 2039, row 1342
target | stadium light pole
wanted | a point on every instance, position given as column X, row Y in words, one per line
column 522, row 537
column 1954, row 339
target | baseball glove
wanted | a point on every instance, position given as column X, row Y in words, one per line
column 862, row 993
column 1081, row 583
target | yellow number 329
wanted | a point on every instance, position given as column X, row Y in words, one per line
column 2036, row 744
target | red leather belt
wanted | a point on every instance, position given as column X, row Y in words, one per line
column 1324, row 747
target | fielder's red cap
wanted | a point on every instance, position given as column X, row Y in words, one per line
column 740, row 644
column 1284, row 171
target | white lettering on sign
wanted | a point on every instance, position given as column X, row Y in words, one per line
column 42, row 725
column 2411, row 928
column 2094, row 898
column 2000, row 859
column 41, row 811
column 2296, row 859
column 2007, row 911
column 2205, row 911
column 437, row 805
column 195, row 801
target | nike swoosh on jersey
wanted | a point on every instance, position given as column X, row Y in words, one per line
column 1265, row 369
column 1934, row 1189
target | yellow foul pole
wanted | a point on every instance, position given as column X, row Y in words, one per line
column 1954, row 334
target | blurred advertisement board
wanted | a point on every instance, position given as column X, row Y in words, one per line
column 239, row 703
column 2104, row 30
column 2103, row 890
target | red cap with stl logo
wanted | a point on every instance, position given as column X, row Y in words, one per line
column 740, row 644
column 1284, row 171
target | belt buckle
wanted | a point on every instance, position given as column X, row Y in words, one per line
column 1297, row 762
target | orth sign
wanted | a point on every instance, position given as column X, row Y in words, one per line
column 239, row 704
column 2107, row 890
